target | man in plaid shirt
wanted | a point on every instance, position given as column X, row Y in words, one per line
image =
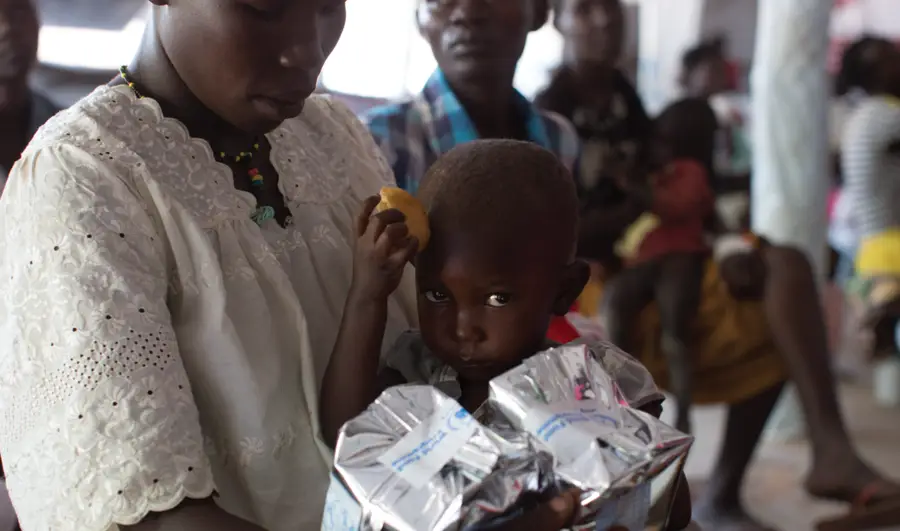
column 477, row 46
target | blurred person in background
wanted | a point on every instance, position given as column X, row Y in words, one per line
column 707, row 73
column 22, row 109
column 759, row 321
column 471, row 94
column 591, row 91
column 870, row 199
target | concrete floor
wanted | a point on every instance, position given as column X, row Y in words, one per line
column 774, row 491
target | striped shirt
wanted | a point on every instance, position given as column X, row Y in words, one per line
column 414, row 133
column 871, row 164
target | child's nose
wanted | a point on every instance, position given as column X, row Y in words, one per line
column 467, row 329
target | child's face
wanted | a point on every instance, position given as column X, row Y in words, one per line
column 482, row 312
column 708, row 78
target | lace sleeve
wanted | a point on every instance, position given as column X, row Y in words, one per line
column 403, row 311
column 99, row 426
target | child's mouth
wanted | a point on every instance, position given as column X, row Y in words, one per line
column 479, row 369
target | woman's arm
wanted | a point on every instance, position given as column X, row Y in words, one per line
column 98, row 403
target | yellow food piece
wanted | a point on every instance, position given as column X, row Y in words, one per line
column 416, row 217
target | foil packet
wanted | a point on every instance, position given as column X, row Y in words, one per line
column 568, row 400
column 415, row 460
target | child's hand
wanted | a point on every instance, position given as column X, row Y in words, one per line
column 383, row 248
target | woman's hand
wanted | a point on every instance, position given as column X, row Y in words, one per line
column 383, row 248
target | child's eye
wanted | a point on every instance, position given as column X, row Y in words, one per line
column 436, row 296
column 498, row 300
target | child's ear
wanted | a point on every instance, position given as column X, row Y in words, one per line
column 574, row 280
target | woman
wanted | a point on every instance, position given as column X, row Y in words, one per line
column 179, row 246
column 759, row 321
column 870, row 159
column 591, row 92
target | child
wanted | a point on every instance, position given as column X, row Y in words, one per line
column 666, row 252
column 500, row 264
column 706, row 73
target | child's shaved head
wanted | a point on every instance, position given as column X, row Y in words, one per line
column 504, row 193
column 501, row 258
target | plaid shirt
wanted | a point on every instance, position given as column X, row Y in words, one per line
column 414, row 133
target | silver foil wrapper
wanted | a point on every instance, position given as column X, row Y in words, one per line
column 415, row 460
column 567, row 399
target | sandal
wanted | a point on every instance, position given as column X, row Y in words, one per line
column 865, row 515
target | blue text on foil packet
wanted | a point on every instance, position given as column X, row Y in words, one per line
column 556, row 423
column 452, row 424
column 422, row 452
column 419, row 452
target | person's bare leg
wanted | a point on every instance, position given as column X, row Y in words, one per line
column 680, row 278
column 624, row 296
column 719, row 506
column 796, row 319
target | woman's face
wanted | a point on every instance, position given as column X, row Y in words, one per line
column 594, row 30
column 476, row 38
column 251, row 62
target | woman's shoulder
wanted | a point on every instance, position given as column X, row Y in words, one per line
column 109, row 131
column 76, row 145
column 114, row 142
column 91, row 121
column 328, row 152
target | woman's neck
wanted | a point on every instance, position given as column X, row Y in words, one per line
column 154, row 76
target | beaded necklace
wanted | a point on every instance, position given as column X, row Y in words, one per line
column 261, row 214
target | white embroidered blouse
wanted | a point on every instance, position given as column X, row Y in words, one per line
column 155, row 343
